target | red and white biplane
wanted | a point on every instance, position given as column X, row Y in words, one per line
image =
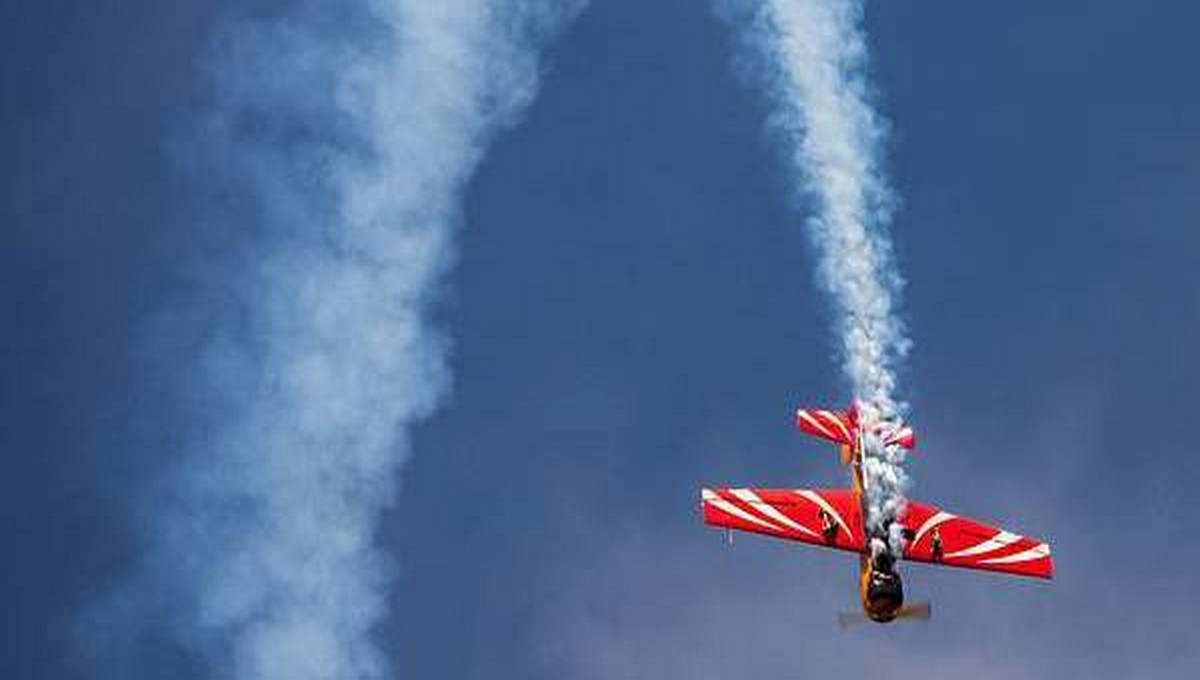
column 834, row 518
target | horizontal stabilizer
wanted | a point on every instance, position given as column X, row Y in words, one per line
column 834, row 426
column 843, row 427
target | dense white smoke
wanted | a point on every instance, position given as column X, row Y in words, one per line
column 816, row 61
column 349, row 130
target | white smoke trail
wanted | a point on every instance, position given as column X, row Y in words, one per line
column 352, row 128
column 816, row 58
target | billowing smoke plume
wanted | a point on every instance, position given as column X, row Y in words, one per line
column 816, row 61
column 349, row 131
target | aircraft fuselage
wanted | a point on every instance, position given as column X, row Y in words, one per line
column 881, row 590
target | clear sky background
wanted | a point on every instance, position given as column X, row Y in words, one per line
column 634, row 315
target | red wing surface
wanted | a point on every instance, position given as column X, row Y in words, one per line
column 828, row 517
column 940, row 537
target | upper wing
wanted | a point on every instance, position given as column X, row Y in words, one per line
column 829, row 517
column 944, row 538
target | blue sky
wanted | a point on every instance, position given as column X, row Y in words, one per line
column 633, row 314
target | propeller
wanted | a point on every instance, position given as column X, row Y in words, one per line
column 919, row 611
column 848, row 619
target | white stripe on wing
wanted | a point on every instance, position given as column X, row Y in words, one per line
column 993, row 544
column 936, row 519
column 731, row 509
column 1037, row 552
column 815, row 497
column 769, row 510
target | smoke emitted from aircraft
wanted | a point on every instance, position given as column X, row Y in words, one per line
column 814, row 57
column 345, row 133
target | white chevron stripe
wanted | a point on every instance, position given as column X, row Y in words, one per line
column 899, row 435
column 841, row 426
column 815, row 497
column 1037, row 552
column 731, row 509
column 815, row 423
column 770, row 510
column 994, row 543
column 936, row 519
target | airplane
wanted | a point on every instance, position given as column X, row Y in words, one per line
column 834, row 518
